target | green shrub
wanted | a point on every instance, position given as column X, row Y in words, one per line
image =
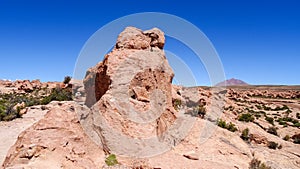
column 36, row 97
column 10, row 100
column 58, row 94
column 200, row 110
column 258, row 107
column 230, row 126
column 297, row 125
column 284, row 107
column 286, row 138
column 296, row 138
column 272, row 130
column 43, row 107
column 272, row 145
column 270, row 120
column 67, row 80
column 295, row 121
column 221, row 123
column 231, row 108
column 256, row 164
column 10, row 114
column 111, row 160
column 298, row 115
column 282, row 122
column 246, row 117
column 245, row 134
column 257, row 116
column 297, row 141
column 288, row 111
column 177, row 104
column 267, row 108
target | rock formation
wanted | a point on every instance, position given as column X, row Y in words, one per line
column 131, row 88
column 128, row 107
column 26, row 86
column 56, row 141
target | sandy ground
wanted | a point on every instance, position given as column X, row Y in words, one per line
column 9, row 131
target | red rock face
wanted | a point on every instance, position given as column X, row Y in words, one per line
column 96, row 83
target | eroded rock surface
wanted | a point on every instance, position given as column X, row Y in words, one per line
column 131, row 88
column 56, row 141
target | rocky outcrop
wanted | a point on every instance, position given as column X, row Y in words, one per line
column 133, row 38
column 27, row 86
column 132, row 41
column 130, row 87
column 56, row 141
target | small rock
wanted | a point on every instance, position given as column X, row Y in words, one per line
column 191, row 155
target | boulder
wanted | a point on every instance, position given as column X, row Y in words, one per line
column 56, row 141
column 133, row 38
column 36, row 84
column 24, row 85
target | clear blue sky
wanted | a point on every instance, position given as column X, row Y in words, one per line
column 257, row 41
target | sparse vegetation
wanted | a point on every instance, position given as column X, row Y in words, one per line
column 231, row 108
column 256, row 164
column 246, row 117
column 284, row 107
column 58, row 94
column 296, row 124
column 221, row 123
column 200, row 111
column 284, row 120
column 267, row 108
column 281, row 122
column 258, row 107
column 272, row 145
column 245, row 134
column 257, row 116
column 270, row 120
column 278, row 108
column 8, row 109
column 272, row 130
column 286, row 138
column 296, row 138
column 11, row 104
column 177, row 104
column 196, row 111
column 229, row 126
column 298, row 115
column 111, row 160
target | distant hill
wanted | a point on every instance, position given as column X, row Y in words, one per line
column 232, row 82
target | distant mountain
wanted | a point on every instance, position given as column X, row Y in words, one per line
column 232, row 82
